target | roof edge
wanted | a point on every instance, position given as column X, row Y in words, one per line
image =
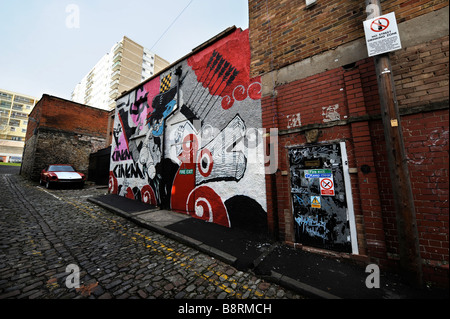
column 197, row 49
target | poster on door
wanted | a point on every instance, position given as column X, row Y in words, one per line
column 327, row 186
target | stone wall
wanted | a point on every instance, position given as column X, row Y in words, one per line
column 50, row 146
column 63, row 132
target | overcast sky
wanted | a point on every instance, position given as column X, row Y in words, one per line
column 43, row 51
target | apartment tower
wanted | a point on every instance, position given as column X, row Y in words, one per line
column 124, row 67
column 14, row 111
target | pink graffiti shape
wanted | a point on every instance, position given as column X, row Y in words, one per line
column 152, row 88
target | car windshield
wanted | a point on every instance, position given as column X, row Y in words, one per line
column 57, row 168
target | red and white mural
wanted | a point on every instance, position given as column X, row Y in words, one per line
column 190, row 139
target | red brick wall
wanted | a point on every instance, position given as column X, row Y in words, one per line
column 33, row 120
column 73, row 117
column 60, row 114
column 426, row 143
column 285, row 32
column 295, row 33
column 426, row 139
column 61, row 131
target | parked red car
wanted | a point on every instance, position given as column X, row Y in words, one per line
column 59, row 174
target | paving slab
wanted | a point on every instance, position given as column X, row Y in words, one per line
column 162, row 218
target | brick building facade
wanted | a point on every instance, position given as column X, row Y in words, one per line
column 62, row 132
column 320, row 90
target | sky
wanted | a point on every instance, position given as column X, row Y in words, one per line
column 48, row 46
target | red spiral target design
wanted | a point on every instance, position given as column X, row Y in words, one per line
column 239, row 93
column 112, row 184
column 255, row 91
column 204, row 203
column 227, row 102
column 148, row 195
column 205, row 163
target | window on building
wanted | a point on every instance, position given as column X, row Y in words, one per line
column 22, row 99
column 15, row 123
column 5, row 96
column 18, row 115
column 5, row 104
column 17, row 107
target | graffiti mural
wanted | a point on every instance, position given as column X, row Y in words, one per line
column 188, row 139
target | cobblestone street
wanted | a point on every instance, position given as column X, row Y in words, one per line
column 44, row 231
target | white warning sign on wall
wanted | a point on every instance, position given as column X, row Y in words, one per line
column 382, row 35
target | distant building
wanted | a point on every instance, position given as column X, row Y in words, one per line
column 62, row 132
column 14, row 110
column 124, row 67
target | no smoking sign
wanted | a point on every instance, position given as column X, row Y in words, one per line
column 327, row 187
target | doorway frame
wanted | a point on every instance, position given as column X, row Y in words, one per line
column 348, row 191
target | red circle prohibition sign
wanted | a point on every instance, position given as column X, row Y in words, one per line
column 327, row 184
column 379, row 25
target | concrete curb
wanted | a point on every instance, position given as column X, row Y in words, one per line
column 274, row 277
column 299, row 287
column 214, row 252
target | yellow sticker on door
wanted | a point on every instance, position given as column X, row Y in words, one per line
column 315, row 202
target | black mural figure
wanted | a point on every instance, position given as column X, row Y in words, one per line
column 151, row 153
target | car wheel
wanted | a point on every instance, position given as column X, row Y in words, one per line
column 48, row 185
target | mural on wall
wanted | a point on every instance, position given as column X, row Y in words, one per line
column 188, row 140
